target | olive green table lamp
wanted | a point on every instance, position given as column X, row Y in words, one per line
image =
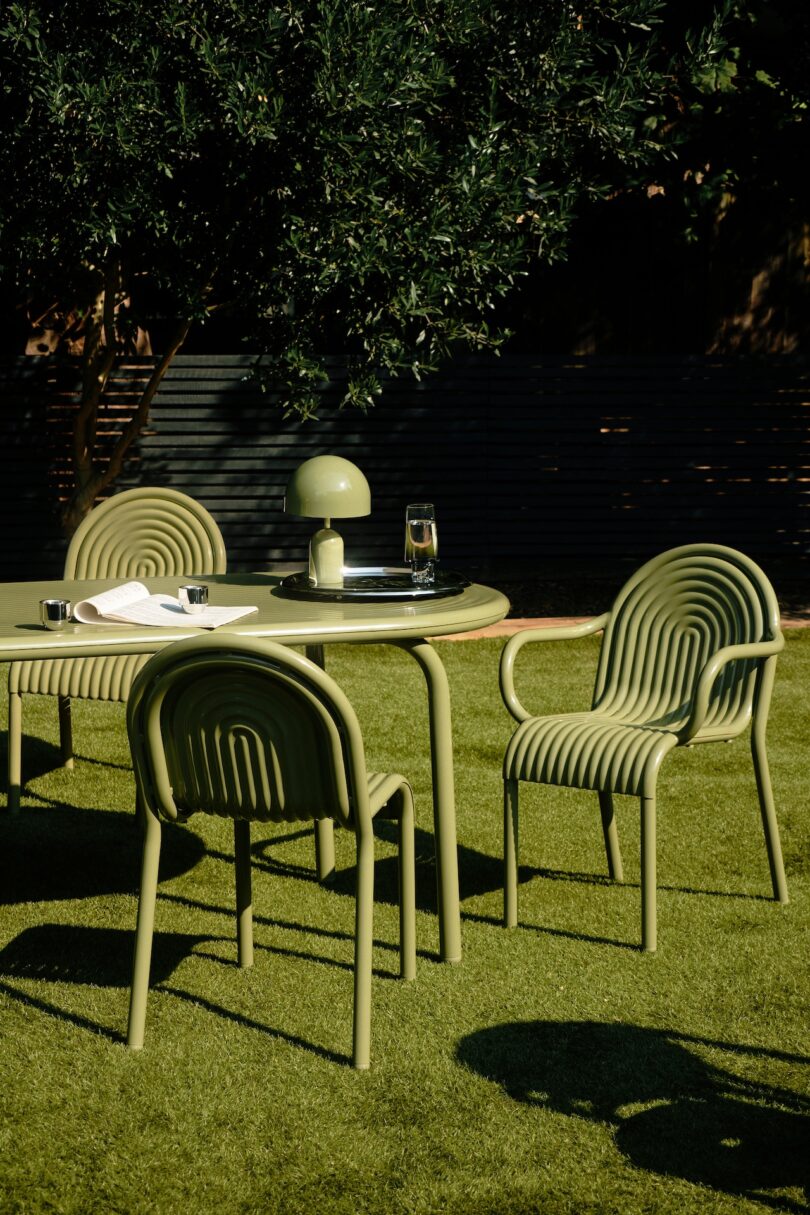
column 327, row 487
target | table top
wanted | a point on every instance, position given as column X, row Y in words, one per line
column 283, row 619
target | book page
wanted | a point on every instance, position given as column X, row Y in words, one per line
column 99, row 607
column 132, row 604
column 161, row 609
column 165, row 610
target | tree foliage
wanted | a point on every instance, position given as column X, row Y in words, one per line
column 737, row 126
column 363, row 177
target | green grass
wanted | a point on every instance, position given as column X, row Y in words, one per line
column 557, row 1069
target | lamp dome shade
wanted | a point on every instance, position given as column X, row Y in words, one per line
column 328, row 487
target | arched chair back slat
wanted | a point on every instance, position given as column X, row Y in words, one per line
column 245, row 728
column 671, row 616
column 140, row 533
column 149, row 532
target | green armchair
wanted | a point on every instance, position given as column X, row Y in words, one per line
column 688, row 656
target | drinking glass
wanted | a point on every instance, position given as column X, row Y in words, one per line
column 193, row 598
column 421, row 542
column 55, row 613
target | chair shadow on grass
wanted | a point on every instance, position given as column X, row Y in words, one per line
column 672, row 1113
column 479, row 873
column 74, row 954
column 56, row 852
column 527, row 873
column 81, row 955
column 333, row 934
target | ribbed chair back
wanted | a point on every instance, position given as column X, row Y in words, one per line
column 674, row 614
column 148, row 532
column 250, row 730
column 140, row 533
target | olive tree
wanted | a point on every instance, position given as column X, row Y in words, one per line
column 364, row 177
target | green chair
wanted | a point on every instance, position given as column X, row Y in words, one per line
column 140, row 533
column 250, row 730
column 688, row 656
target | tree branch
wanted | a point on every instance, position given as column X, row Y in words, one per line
column 98, row 359
column 97, row 479
column 140, row 417
column 112, row 292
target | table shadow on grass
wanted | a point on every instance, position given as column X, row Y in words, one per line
column 67, row 852
column 697, row 1122
column 39, row 757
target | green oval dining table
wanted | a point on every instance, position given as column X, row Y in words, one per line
column 409, row 625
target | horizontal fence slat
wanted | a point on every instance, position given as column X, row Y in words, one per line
column 527, row 458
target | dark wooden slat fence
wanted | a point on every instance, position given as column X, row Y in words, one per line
column 528, row 460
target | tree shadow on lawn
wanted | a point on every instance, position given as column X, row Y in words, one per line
column 699, row 1122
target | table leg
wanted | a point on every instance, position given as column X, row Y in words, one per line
column 444, row 804
column 324, row 827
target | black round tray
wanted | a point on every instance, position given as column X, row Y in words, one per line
column 378, row 585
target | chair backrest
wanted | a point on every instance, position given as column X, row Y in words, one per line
column 146, row 532
column 245, row 728
column 669, row 618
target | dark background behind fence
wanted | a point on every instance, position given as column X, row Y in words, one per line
column 532, row 462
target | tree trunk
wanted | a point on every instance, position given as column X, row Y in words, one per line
column 92, row 478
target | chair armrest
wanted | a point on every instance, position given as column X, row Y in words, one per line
column 565, row 632
column 707, row 677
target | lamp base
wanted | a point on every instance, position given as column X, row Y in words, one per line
column 326, row 558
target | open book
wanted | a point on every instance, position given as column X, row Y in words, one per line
column 132, row 604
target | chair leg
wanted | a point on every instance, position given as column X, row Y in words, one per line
column 144, row 931
column 648, row 875
column 363, row 937
column 244, row 899
column 510, row 852
column 407, row 886
column 611, row 834
column 324, row 827
column 65, row 732
column 14, row 749
column 140, row 810
column 768, row 812
column 325, row 849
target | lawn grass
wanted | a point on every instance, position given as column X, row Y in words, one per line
column 557, row 1069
